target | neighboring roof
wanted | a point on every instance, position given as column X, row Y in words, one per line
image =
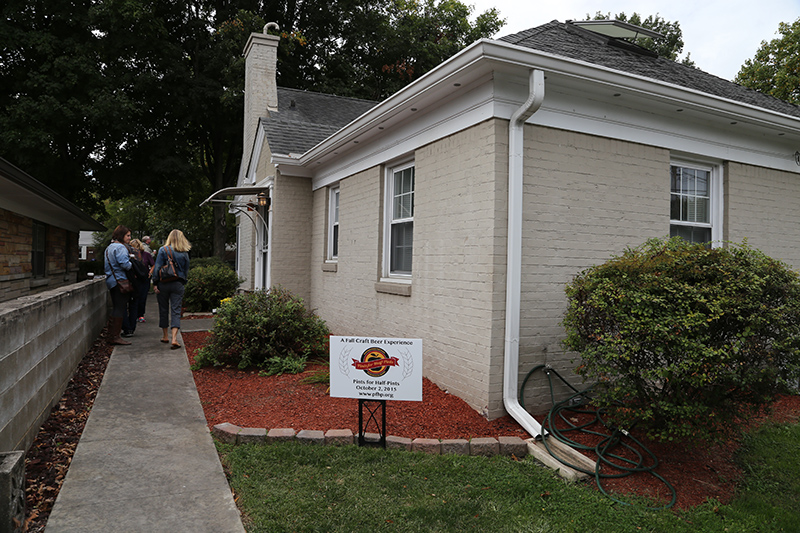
column 304, row 119
column 570, row 41
column 22, row 194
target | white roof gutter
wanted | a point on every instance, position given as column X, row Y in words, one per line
column 516, row 138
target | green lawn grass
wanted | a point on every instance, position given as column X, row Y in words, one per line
column 294, row 487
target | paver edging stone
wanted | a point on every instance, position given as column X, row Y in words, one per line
column 486, row 446
column 226, row 432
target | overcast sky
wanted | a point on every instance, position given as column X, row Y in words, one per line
column 719, row 34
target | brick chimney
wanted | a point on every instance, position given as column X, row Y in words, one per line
column 260, row 83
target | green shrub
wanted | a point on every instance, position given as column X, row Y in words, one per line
column 203, row 262
column 682, row 338
column 208, row 285
column 270, row 330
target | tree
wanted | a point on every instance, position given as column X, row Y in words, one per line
column 775, row 69
column 669, row 47
column 56, row 106
column 371, row 49
column 108, row 99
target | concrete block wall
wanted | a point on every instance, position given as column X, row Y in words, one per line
column 458, row 263
column 587, row 198
column 763, row 206
column 42, row 340
column 292, row 201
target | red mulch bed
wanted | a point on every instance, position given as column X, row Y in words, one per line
column 246, row 399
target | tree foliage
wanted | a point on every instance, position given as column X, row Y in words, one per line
column 108, row 99
column 682, row 338
column 371, row 49
column 775, row 69
column 669, row 47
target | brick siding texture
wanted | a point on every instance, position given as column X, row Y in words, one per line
column 458, row 262
column 291, row 239
column 587, row 198
column 16, row 236
column 16, row 241
column 763, row 206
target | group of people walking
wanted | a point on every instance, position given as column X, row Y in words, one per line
column 129, row 269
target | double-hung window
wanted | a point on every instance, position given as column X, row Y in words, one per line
column 694, row 195
column 399, row 232
column 333, row 224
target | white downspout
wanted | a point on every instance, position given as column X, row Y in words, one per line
column 514, row 259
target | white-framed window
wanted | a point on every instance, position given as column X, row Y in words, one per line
column 695, row 202
column 399, row 221
column 333, row 224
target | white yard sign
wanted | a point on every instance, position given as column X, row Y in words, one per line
column 369, row 368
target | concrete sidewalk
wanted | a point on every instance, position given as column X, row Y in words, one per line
column 146, row 461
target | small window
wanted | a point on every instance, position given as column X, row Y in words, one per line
column 38, row 256
column 692, row 203
column 399, row 221
column 333, row 224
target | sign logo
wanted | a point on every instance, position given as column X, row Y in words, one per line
column 375, row 362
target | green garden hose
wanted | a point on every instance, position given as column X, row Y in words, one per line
column 577, row 403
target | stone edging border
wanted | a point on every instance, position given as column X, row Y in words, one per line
column 483, row 446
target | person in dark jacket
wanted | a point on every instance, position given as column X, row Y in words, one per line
column 169, row 293
column 144, row 285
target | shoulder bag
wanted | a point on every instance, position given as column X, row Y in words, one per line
column 125, row 286
column 168, row 272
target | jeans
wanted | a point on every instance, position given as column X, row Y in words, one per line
column 119, row 302
column 130, row 316
column 170, row 300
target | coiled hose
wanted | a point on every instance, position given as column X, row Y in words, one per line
column 577, row 404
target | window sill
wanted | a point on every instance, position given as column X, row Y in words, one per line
column 389, row 287
column 39, row 282
column 330, row 267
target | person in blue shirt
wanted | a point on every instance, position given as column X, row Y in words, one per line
column 169, row 287
column 117, row 264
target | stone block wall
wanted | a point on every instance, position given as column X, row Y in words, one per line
column 42, row 339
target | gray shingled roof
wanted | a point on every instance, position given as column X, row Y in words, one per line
column 304, row 119
column 570, row 41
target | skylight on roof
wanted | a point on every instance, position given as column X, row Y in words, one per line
column 617, row 29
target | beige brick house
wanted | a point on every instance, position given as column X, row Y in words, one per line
column 456, row 210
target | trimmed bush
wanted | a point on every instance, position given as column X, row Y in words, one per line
column 272, row 331
column 208, row 261
column 208, row 285
column 682, row 338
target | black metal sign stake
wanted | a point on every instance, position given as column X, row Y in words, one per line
column 372, row 409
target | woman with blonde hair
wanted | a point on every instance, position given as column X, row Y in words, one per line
column 169, row 283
